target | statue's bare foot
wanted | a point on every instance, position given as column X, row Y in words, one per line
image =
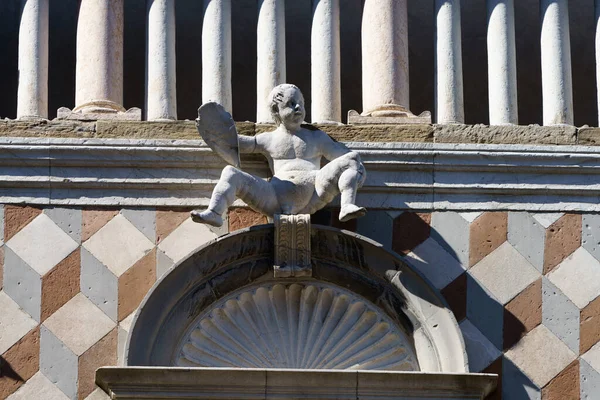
column 207, row 217
column 350, row 211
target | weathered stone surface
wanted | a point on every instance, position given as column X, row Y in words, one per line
column 588, row 136
column 505, row 134
column 370, row 133
column 46, row 128
column 158, row 130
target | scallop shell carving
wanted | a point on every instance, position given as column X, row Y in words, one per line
column 304, row 326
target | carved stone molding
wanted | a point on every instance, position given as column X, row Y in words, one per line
column 292, row 246
column 307, row 325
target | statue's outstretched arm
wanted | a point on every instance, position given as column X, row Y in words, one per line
column 247, row 143
column 332, row 149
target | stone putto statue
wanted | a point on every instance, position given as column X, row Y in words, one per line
column 299, row 185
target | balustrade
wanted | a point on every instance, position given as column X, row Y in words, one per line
column 385, row 53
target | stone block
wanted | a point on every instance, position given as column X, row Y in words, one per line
column 588, row 136
column 516, row 385
column 541, row 355
column 45, row 128
column 527, row 236
column 488, row 232
column 435, row 263
column 485, row 312
column 37, row 385
column 144, row 219
column 67, row 219
column 185, row 238
column 58, row 363
column 480, row 351
column 505, row 273
column 522, row 314
column 560, row 315
column 99, row 284
column 505, row 134
column 22, row 284
column 589, row 381
column 451, row 231
column 577, row 277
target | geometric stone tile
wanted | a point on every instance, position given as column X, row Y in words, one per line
column 577, row 277
column 118, row 245
column 240, row 218
column 451, row 231
column 42, row 244
column 135, row 283
column 16, row 217
column 565, row 385
column 527, row 236
column 185, row 238
column 487, row 233
column 589, row 331
column 22, row 284
column 168, row 220
column 79, row 324
column 58, row 363
column 522, row 314
column 34, row 388
column 589, row 381
column 592, row 357
column 94, row 219
column 98, row 394
column 471, row 215
column 433, row 261
column 123, row 332
column 19, row 363
column 516, row 385
column 484, row 312
column 541, row 355
column 14, row 323
column 562, row 238
column 103, row 353
column 410, row 229
column 456, row 296
column 60, row 284
column 163, row 263
column 1, row 224
column 480, row 351
column 560, row 315
column 1, row 267
column 547, row 219
column 590, row 238
column 143, row 219
column 505, row 272
column 99, row 284
column 67, row 219
column 378, row 227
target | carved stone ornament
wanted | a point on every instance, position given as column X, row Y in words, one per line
column 292, row 246
column 294, row 151
column 300, row 325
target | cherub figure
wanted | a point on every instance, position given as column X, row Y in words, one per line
column 299, row 185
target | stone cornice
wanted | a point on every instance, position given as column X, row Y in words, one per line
column 158, row 172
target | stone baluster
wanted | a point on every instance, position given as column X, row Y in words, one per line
column 326, row 106
column 385, row 76
column 502, row 63
column 270, row 54
column 448, row 63
column 216, row 53
column 99, row 69
column 557, row 87
column 161, row 97
column 385, row 56
column 33, row 60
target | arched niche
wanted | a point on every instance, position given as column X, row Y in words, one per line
column 222, row 307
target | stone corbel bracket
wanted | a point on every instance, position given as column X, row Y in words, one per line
column 292, row 246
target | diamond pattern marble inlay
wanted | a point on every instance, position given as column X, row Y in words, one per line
column 51, row 244
column 118, row 245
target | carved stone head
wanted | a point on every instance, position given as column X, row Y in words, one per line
column 287, row 106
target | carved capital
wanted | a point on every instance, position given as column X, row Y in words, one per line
column 292, row 246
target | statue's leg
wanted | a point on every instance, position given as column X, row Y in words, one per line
column 343, row 175
column 233, row 183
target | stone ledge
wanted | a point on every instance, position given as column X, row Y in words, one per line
column 479, row 134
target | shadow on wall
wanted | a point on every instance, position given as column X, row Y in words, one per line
column 489, row 327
